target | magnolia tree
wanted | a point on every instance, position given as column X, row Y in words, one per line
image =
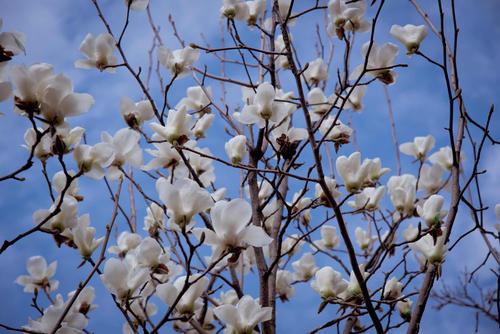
column 305, row 209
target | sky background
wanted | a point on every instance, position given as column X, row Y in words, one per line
column 54, row 32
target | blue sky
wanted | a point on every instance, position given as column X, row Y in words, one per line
column 55, row 29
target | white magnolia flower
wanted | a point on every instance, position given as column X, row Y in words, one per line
column 66, row 138
column 183, row 199
column 431, row 212
column 99, row 53
column 236, row 148
column 59, row 183
column 66, row 218
column 40, row 275
column 353, row 288
column 125, row 243
column 279, row 46
column 30, row 83
column 177, row 126
column 433, row 252
column 178, row 61
column 188, row 302
column 305, row 267
column 379, row 62
column 83, row 237
column 332, row 187
column 410, row 36
column 352, row 172
column 346, row 15
column 328, row 283
column 202, row 125
column 135, row 113
column 497, row 213
column 5, row 85
column 165, row 155
column 229, row 297
column 364, row 240
column 243, row 317
column 404, row 307
column 137, row 5
column 255, row 8
column 319, row 103
column 284, row 134
column 292, row 245
column 154, row 221
column 444, row 157
column 368, row 199
column 375, row 171
column 419, row 148
column 196, row 99
column 219, row 194
column 329, row 238
column 73, row 322
column 92, row 159
column 122, row 279
column 201, row 165
column 235, row 9
column 262, row 107
column 11, row 43
column 431, row 179
column 150, row 254
column 355, row 98
column 392, row 289
column 402, row 190
column 83, row 303
column 284, row 287
column 43, row 150
column 316, row 72
column 410, row 233
column 126, row 148
column 339, row 134
column 231, row 230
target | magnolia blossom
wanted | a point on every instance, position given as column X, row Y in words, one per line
column 261, row 107
column 402, row 190
column 404, row 307
column 410, row 233
column 368, row 199
column 283, row 285
column 285, row 137
column 178, row 61
column 292, row 245
column 65, row 138
column 243, row 317
column 379, row 64
column 235, row 9
column 316, row 72
column 351, row 171
column 363, row 238
column 154, row 220
column 392, row 289
column 150, row 254
column 135, row 113
column 5, row 85
column 354, row 100
column 497, row 213
column 202, row 125
column 255, row 9
column 11, row 43
column 59, row 181
column 332, row 187
column 137, row 5
column 319, row 103
column 83, row 237
column 419, row 148
column 431, row 179
column 201, row 165
column 230, row 220
column 305, row 267
column 433, row 252
column 353, row 288
column 375, row 171
column 66, row 218
column 410, row 36
column 73, row 322
column 99, row 53
column 30, row 83
column 126, row 242
column 42, row 150
column 188, row 302
column 329, row 238
column 346, row 15
column 236, row 148
column 121, row 278
column 444, row 157
column 339, row 134
column 328, row 283
column 165, row 155
column 279, row 45
column 197, row 99
column 431, row 212
column 83, row 303
column 125, row 144
column 40, row 275
column 92, row 159
column 177, row 126
column 183, row 199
